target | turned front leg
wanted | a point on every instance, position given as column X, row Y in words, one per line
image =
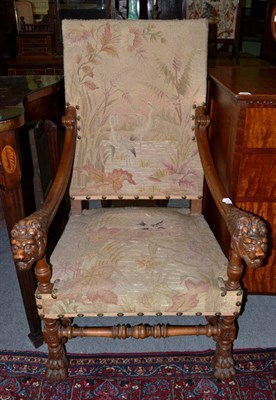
column 57, row 364
column 223, row 362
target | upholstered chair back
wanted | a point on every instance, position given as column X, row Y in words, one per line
column 135, row 85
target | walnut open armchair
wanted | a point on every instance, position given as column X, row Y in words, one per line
column 136, row 129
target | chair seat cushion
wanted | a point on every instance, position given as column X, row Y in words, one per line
column 137, row 261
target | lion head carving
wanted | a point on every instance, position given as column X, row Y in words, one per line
column 249, row 238
column 28, row 240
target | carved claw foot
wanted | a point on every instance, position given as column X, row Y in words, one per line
column 223, row 366
column 57, row 364
column 57, row 370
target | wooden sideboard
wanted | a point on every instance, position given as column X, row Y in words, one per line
column 242, row 106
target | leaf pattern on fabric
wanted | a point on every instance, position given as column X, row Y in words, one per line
column 189, row 300
column 101, row 277
column 136, row 260
column 135, row 84
column 115, row 178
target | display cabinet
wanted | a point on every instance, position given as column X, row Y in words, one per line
column 39, row 38
column 36, row 39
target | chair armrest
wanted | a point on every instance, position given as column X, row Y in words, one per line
column 220, row 196
column 248, row 232
column 29, row 235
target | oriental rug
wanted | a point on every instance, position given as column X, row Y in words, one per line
column 153, row 376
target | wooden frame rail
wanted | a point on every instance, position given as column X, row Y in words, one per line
column 141, row 331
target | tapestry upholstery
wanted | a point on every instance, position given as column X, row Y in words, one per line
column 221, row 12
column 136, row 136
column 138, row 260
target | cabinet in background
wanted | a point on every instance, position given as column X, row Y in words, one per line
column 39, row 38
column 242, row 107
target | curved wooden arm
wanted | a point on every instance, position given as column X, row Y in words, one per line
column 29, row 235
column 216, row 188
column 248, row 232
column 64, row 171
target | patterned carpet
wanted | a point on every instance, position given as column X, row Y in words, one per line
column 139, row 377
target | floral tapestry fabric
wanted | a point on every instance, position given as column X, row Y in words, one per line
column 137, row 260
column 135, row 84
column 221, row 12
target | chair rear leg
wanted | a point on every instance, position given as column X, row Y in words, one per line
column 57, row 364
column 223, row 363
